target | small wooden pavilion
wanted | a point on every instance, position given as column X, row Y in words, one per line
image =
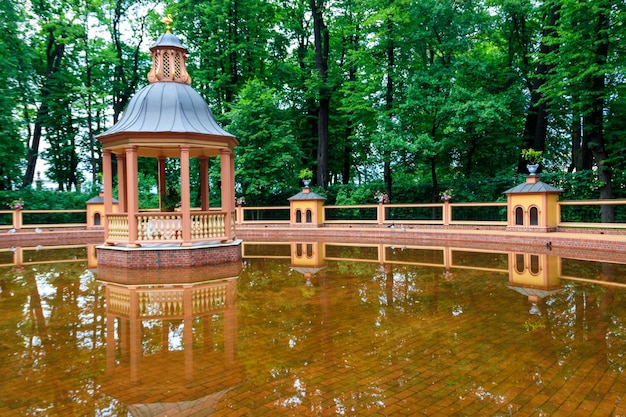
column 306, row 209
column 532, row 206
column 167, row 119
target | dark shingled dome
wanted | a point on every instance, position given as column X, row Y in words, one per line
column 538, row 187
column 306, row 196
column 168, row 107
column 167, row 39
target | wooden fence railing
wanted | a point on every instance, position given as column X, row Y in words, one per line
column 580, row 214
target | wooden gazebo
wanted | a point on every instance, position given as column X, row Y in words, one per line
column 167, row 119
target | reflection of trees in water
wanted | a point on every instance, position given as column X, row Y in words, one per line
column 393, row 313
column 594, row 270
column 587, row 319
column 409, row 289
column 352, row 252
column 616, row 343
column 54, row 325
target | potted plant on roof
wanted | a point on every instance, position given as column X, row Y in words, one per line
column 306, row 175
column 534, row 158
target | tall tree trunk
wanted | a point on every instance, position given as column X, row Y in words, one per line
column 33, row 152
column 433, row 174
column 536, row 126
column 93, row 163
column 310, row 123
column 124, row 87
column 389, row 101
column 322, row 46
column 594, row 123
column 54, row 56
column 582, row 157
column 349, row 131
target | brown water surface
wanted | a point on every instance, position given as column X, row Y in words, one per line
column 314, row 329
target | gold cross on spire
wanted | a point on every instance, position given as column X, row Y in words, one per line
column 167, row 21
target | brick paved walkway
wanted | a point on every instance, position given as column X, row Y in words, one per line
column 362, row 339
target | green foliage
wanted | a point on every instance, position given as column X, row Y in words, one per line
column 532, row 156
column 46, row 200
column 306, row 174
column 424, row 95
column 14, row 58
column 267, row 157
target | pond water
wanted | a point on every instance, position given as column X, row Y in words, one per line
column 313, row 329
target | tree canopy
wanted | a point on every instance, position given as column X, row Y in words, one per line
column 404, row 96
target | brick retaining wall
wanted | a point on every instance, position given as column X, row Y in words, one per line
column 609, row 243
column 171, row 257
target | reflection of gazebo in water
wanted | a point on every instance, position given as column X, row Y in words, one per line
column 168, row 119
column 171, row 340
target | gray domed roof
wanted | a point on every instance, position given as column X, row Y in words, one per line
column 309, row 195
column 167, row 107
column 168, row 40
column 538, row 187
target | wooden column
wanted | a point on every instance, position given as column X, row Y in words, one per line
column 227, row 192
column 107, row 181
column 122, row 186
column 204, row 183
column 132, row 195
column 232, row 198
column 185, row 194
column 162, row 181
column 107, row 184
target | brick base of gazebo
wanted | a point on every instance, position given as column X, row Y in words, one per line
column 169, row 256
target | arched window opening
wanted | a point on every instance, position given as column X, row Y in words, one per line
column 519, row 262
column 298, row 216
column 309, row 250
column 519, row 216
column 534, row 264
column 534, row 216
column 309, row 216
column 97, row 219
column 299, row 250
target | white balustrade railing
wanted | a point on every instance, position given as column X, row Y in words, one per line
column 167, row 302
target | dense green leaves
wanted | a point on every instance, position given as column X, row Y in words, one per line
column 268, row 159
column 413, row 96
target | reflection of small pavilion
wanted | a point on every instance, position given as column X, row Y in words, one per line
column 534, row 275
column 308, row 259
column 171, row 338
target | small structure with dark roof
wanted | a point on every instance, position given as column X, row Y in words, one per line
column 95, row 211
column 306, row 209
column 532, row 206
column 168, row 119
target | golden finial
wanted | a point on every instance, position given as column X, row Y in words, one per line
column 167, row 21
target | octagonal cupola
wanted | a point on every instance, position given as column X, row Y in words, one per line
column 169, row 58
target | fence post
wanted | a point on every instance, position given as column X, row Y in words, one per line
column 447, row 213
column 380, row 213
column 17, row 219
column 239, row 214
